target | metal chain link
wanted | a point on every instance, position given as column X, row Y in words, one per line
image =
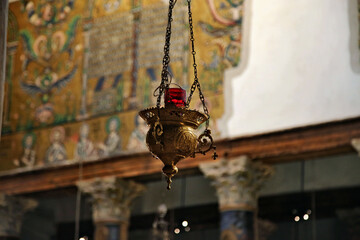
column 196, row 83
column 166, row 60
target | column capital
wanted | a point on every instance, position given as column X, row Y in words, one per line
column 355, row 142
column 237, row 181
column 111, row 197
column 12, row 210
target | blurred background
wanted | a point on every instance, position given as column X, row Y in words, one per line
column 281, row 81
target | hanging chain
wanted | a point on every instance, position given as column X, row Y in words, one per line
column 196, row 83
column 166, row 60
column 204, row 139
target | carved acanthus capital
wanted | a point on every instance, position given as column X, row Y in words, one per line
column 111, row 197
column 237, row 181
column 355, row 142
column 12, row 210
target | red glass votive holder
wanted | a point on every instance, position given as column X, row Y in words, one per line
column 175, row 97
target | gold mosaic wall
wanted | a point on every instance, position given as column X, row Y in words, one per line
column 78, row 72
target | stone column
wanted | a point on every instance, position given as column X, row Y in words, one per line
column 237, row 182
column 355, row 142
column 111, row 202
column 12, row 210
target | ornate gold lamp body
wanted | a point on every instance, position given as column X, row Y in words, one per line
column 172, row 136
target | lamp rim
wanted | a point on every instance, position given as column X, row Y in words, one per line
column 173, row 116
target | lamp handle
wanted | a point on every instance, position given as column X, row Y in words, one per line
column 206, row 140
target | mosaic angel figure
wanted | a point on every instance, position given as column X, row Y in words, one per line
column 56, row 152
column 138, row 135
column 85, row 148
column 112, row 144
column 28, row 156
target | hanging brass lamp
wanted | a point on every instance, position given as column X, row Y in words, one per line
column 172, row 136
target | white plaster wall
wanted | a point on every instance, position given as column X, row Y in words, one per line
column 300, row 66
